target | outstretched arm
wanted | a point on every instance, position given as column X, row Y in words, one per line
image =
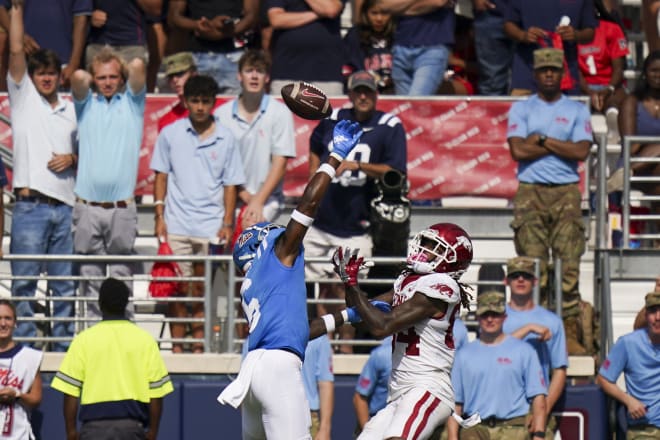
column 345, row 136
column 17, row 64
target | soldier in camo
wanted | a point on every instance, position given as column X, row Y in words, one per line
column 548, row 134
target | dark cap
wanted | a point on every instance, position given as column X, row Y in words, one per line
column 491, row 301
column 548, row 57
column 362, row 78
column 653, row 299
column 521, row 264
column 179, row 62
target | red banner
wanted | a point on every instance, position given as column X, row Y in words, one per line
column 456, row 146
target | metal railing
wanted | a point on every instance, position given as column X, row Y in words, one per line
column 220, row 305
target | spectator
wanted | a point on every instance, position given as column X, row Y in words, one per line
column 371, row 390
column 640, row 116
column 548, row 135
column 58, row 25
column 120, row 24
column 218, row 32
column 268, row 386
column 425, row 299
column 21, row 383
column 459, row 333
column 198, row 167
column 306, row 43
column 105, row 215
column 640, row 319
column 636, row 355
column 179, row 67
column 494, row 48
column 129, row 405
column 424, row 34
column 544, row 332
column 368, row 45
column 497, row 377
column 649, row 15
column 44, row 131
column 534, row 25
column 344, row 211
column 602, row 62
column 263, row 128
column 319, row 386
column 3, row 182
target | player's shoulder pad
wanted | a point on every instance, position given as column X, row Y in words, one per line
column 440, row 286
column 389, row 119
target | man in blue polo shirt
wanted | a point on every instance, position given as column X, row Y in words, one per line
column 110, row 134
column 198, row 168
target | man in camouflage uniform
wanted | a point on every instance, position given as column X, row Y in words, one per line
column 548, row 135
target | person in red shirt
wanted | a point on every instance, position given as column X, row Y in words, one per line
column 602, row 62
column 179, row 67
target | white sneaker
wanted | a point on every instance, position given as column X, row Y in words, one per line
column 615, row 181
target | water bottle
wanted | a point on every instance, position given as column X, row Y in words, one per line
column 216, row 339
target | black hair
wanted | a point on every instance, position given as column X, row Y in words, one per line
column 43, row 58
column 113, row 297
column 642, row 88
column 602, row 13
column 200, row 85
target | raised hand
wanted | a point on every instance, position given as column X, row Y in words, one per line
column 345, row 137
column 347, row 264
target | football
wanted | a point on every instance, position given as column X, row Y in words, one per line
column 306, row 101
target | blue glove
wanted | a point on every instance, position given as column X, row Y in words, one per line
column 353, row 315
column 381, row 305
column 345, row 136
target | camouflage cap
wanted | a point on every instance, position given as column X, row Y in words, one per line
column 521, row 264
column 179, row 62
column 653, row 299
column 491, row 301
column 548, row 57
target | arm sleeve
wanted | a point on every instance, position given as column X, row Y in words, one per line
column 160, row 159
column 517, row 124
column 325, row 361
column 616, row 361
column 582, row 130
column 534, row 377
column 557, row 347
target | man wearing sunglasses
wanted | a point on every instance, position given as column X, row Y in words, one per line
column 545, row 329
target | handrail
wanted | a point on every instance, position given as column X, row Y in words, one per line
column 627, row 179
column 228, row 311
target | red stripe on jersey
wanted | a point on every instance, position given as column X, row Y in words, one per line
column 410, row 279
column 415, row 414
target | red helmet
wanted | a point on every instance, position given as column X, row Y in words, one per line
column 450, row 245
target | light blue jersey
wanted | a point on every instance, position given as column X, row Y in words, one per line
column 636, row 357
column 317, row 368
column 497, row 380
column 375, row 374
column 566, row 120
column 274, row 300
column 460, row 333
column 552, row 354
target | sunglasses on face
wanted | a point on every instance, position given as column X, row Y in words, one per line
column 516, row 275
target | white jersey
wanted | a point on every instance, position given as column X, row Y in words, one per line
column 424, row 353
column 18, row 368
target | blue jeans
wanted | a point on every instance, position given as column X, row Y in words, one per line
column 39, row 228
column 494, row 54
column 222, row 67
column 418, row 71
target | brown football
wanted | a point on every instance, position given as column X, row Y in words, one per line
column 306, row 101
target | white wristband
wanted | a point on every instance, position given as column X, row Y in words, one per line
column 18, row 395
column 329, row 322
column 159, row 202
column 301, row 218
column 344, row 314
column 336, row 156
column 327, row 169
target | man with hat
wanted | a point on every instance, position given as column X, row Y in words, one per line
column 548, row 136
column 636, row 355
column 179, row 67
column 539, row 327
column 343, row 218
column 497, row 376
